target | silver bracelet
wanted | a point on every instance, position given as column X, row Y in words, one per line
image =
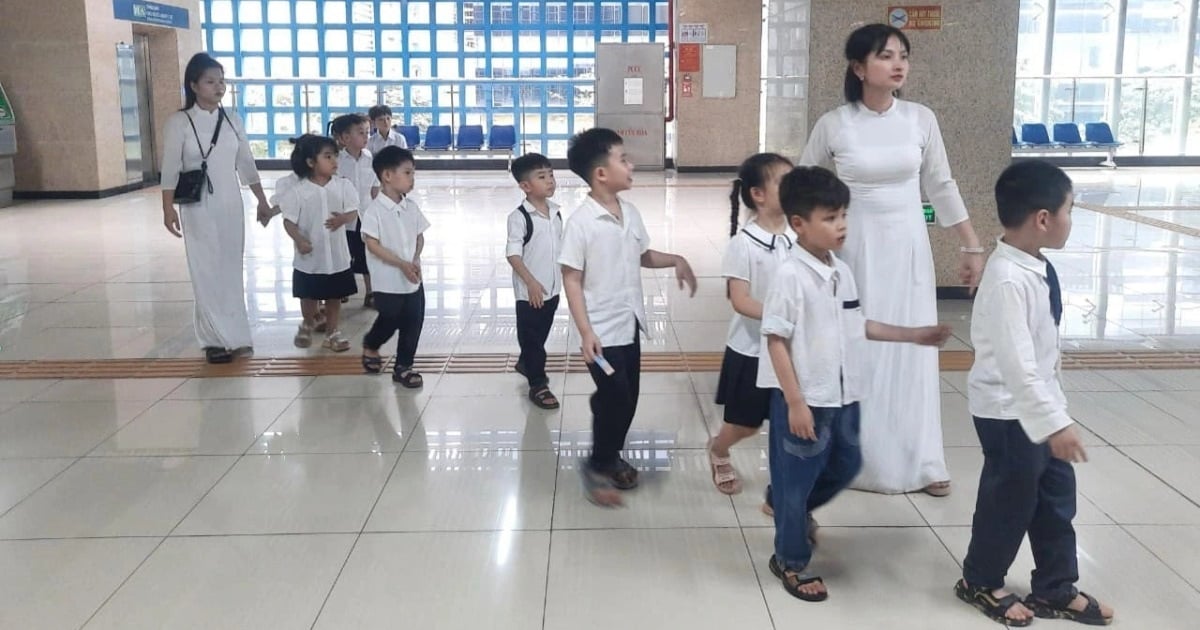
column 971, row 250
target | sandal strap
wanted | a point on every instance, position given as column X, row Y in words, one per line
column 721, row 478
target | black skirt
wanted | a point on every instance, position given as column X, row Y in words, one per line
column 323, row 286
column 358, row 251
column 745, row 403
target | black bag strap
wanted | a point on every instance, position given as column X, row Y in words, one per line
column 212, row 145
column 765, row 245
column 529, row 223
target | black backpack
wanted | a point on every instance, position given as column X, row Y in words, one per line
column 529, row 223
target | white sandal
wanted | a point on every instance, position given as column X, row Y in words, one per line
column 303, row 338
column 726, row 482
column 336, row 341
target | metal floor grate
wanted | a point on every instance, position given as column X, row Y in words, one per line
column 494, row 363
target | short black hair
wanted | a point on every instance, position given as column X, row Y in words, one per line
column 379, row 111
column 308, row 147
column 390, row 157
column 807, row 188
column 588, row 151
column 345, row 122
column 1028, row 186
column 528, row 163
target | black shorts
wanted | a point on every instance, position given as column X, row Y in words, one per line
column 358, row 253
column 323, row 286
column 745, row 403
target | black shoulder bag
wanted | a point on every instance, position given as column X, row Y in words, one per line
column 192, row 183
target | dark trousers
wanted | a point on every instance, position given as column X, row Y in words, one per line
column 533, row 328
column 1022, row 489
column 615, row 402
column 806, row 474
column 399, row 313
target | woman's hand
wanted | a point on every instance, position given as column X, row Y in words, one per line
column 171, row 220
column 970, row 269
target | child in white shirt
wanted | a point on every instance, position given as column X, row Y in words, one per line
column 315, row 211
column 384, row 136
column 815, row 336
column 393, row 228
column 1029, row 441
column 354, row 164
column 754, row 253
column 534, row 243
column 605, row 245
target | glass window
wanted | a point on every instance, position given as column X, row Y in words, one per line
column 282, row 67
column 391, row 41
column 362, row 13
column 584, row 14
column 393, row 68
column 418, row 12
column 1085, row 37
column 252, row 40
column 279, row 12
column 222, row 39
column 335, row 12
column 531, row 41
column 250, row 12
column 418, row 40
column 307, row 40
column 364, row 41
column 1155, row 37
column 556, row 13
column 638, row 12
column 335, row 41
column 253, row 66
column 280, row 40
column 337, row 68
column 446, row 12
column 220, row 11
column 447, row 42
column 310, row 68
column 528, row 13
column 306, row 12
column 502, row 14
column 391, row 13
column 610, row 13
column 472, row 13
column 256, row 122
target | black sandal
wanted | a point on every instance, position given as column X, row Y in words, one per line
column 372, row 365
column 995, row 609
column 792, row 583
column 409, row 378
column 1089, row 616
column 623, row 476
column 218, row 355
column 543, row 398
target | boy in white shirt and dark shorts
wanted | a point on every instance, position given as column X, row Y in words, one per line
column 1029, row 441
column 815, row 344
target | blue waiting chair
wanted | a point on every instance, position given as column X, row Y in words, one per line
column 502, row 138
column 411, row 133
column 1017, row 143
column 470, row 138
column 1067, row 134
column 437, row 138
column 1100, row 134
column 1035, row 134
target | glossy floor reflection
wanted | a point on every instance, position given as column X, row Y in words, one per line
column 344, row 502
column 116, row 285
column 341, row 502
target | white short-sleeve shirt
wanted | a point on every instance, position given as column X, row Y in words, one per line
column 609, row 253
column 1017, row 347
column 396, row 226
column 815, row 307
column 753, row 255
column 308, row 206
column 540, row 255
column 361, row 173
column 282, row 185
column 393, row 139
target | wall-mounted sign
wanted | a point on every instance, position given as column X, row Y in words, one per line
column 693, row 33
column 685, row 86
column 154, row 13
column 689, row 57
column 916, row 18
column 6, row 113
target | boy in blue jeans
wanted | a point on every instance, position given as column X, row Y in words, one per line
column 815, row 335
column 1029, row 441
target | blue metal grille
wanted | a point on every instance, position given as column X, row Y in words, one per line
column 443, row 50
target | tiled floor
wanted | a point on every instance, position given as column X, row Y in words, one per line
column 342, row 502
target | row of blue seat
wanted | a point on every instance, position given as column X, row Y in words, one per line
column 470, row 138
column 1066, row 135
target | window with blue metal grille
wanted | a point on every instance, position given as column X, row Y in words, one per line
column 305, row 47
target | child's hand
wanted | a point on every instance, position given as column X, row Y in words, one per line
column 336, row 220
column 303, row 246
column 411, row 271
column 800, row 422
column 1066, row 445
column 932, row 335
column 265, row 218
column 591, row 347
column 536, row 294
column 684, row 275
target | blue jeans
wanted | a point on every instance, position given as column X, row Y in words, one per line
column 806, row 474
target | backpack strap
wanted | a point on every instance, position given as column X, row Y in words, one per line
column 529, row 223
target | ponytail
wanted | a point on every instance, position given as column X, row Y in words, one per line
column 737, row 208
column 752, row 174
